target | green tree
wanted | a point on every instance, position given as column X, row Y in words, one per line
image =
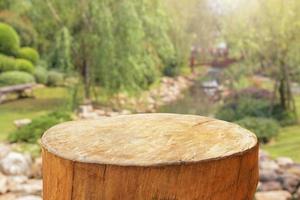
column 266, row 34
column 118, row 45
column 9, row 40
column 62, row 54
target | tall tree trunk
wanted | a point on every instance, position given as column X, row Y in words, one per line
column 86, row 80
column 85, row 71
column 287, row 101
column 282, row 95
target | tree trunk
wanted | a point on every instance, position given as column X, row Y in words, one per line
column 85, row 70
column 285, row 91
column 282, row 94
column 149, row 157
column 86, row 80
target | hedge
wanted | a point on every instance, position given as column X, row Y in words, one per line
column 24, row 65
column 41, row 75
column 15, row 78
column 244, row 107
column 8, row 63
column 264, row 128
column 9, row 40
column 55, row 78
column 29, row 54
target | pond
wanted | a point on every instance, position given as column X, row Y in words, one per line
column 196, row 100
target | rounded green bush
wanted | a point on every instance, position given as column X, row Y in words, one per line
column 284, row 117
column 7, row 63
column 15, row 78
column 24, row 65
column 55, row 78
column 264, row 128
column 30, row 54
column 21, row 24
column 243, row 107
column 41, row 75
column 9, row 40
column 32, row 132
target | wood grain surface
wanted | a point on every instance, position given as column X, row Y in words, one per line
column 149, row 157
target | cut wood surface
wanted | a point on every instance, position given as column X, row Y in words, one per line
column 149, row 156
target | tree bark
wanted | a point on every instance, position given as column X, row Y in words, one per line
column 86, row 80
column 149, row 157
column 282, row 95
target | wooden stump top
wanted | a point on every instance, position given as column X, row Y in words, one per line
column 147, row 140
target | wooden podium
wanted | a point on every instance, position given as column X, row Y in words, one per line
column 149, row 157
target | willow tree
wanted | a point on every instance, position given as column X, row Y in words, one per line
column 117, row 45
column 158, row 41
column 61, row 58
column 123, row 62
column 266, row 34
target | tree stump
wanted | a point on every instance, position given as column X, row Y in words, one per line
column 149, row 157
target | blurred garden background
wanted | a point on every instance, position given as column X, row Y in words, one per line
column 235, row 60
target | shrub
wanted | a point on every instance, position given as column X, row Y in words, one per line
column 15, row 77
column 251, row 92
column 32, row 132
column 55, row 78
column 9, row 40
column 243, row 107
column 226, row 113
column 21, row 24
column 172, row 68
column 284, row 117
column 24, row 65
column 264, row 128
column 29, row 54
column 7, row 63
column 41, row 75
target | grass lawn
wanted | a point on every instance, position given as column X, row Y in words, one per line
column 46, row 100
column 286, row 144
column 288, row 141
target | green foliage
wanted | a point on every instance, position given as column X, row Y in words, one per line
column 265, row 33
column 121, row 46
column 15, row 77
column 254, row 103
column 30, row 54
column 264, row 128
column 75, row 97
column 55, row 78
column 24, row 65
column 250, row 92
column 61, row 59
column 4, row 4
column 22, row 25
column 157, row 27
column 47, row 99
column 284, row 117
column 123, row 49
column 172, row 69
column 41, row 75
column 9, row 40
column 243, row 107
column 7, row 63
column 32, row 133
column 227, row 113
